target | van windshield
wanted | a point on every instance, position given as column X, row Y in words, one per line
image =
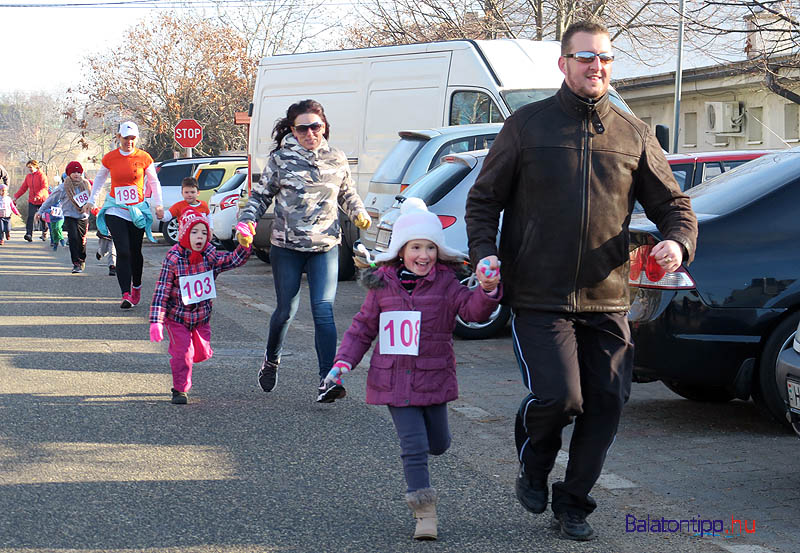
column 232, row 183
column 396, row 162
column 515, row 99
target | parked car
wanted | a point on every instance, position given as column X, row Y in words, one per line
column 788, row 380
column 444, row 189
column 224, row 206
column 416, row 153
column 171, row 173
column 210, row 176
column 714, row 331
column 691, row 169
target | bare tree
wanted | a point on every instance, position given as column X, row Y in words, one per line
column 33, row 126
column 173, row 67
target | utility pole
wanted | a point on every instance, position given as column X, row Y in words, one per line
column 678, row 79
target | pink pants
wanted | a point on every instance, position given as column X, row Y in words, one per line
column 186, row 348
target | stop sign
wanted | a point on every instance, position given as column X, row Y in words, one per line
column 188, row 133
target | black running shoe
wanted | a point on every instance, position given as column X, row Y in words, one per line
column 179, row 398
column 531, row 493
column 330, row 393
column 76, row 268
column 574, row 526
column 268, row 375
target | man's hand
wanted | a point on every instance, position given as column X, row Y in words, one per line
column 363, row 221
column 245, row 230
column 668, row 255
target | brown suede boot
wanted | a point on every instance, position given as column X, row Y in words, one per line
column 423, row 504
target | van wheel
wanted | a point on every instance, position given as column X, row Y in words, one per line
column 263, row 255
column 170, row 231
column 766, row 393
column 486, row 329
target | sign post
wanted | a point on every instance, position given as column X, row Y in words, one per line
column 188, row 133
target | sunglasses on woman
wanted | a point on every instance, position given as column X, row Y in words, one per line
column 313, row 127
column 588, row 57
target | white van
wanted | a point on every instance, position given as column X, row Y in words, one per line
column 370, row 94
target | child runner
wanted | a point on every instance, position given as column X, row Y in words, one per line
column 412, row 301
column 7, row 207
column 106, row 247
column 53, row 217
column 189, row 190
column 182, row 299
column 70, row 197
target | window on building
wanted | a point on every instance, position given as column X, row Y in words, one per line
column 791, row 122
column 755, row 127
column 690, row 129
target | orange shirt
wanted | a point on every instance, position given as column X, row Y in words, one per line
column 178, row 208
column 127, row 170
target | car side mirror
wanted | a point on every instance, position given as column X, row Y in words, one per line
column 662, row 135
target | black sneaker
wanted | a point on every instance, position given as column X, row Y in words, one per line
column 530, row 493
column 112, row 270
column 179, row 398
column 268, row 375
column 330, row 393
column 98, row 256
column 76, row 268
column 28, row 238
column 574, row 526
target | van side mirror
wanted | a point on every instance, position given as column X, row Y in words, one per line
column 662, row 135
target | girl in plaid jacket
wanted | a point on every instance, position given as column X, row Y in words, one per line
column 182, row 298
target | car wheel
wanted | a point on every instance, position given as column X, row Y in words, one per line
column 170, row 231
column 710, row 394
column 766, row 394
column 263, row 255
column 482, row 330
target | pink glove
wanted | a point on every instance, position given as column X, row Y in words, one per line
column 156, row 332
column 339, row 369
column 484, row 267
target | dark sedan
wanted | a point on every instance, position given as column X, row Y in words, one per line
column 714, row 331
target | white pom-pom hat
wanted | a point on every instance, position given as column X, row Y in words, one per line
column 417, row 223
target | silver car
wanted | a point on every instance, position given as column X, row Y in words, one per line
column 444, row 190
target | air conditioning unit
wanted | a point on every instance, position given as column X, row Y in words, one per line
column 724, row 117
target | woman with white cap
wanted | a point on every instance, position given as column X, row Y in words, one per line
column 126, row 213
column 411, row 306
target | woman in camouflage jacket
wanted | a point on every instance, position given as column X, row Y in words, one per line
column 308, row 181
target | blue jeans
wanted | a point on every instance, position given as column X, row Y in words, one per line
column 322, row 269
column 422, row 431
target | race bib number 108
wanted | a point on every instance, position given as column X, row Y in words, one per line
column 399, row 332
column 196, row 288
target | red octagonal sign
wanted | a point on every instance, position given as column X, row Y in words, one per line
column 188, row 133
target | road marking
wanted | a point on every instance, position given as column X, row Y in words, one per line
column 472, row 413
column 746, row 549
column 607, row 480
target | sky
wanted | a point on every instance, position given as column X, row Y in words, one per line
column 43, row 48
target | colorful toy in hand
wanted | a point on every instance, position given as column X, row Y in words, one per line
column 483, row 267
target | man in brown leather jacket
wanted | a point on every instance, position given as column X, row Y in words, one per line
column 566, row 172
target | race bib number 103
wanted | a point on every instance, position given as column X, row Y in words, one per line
column 196, row 288
column 399, row 332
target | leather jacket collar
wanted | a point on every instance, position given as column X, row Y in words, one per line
column 580, row 109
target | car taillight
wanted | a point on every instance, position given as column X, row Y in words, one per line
column 447, row 220
column 228, row 201
column 647, row 273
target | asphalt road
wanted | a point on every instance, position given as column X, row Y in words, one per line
column 93, row 457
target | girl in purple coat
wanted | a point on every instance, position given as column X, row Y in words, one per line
column 413, row 298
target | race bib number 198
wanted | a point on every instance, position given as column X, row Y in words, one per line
column 399, row 332
column 128, row 195
column 196, row 288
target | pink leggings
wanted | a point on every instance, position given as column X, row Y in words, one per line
column 186, row 348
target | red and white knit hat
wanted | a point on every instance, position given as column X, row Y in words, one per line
column 188, row 219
